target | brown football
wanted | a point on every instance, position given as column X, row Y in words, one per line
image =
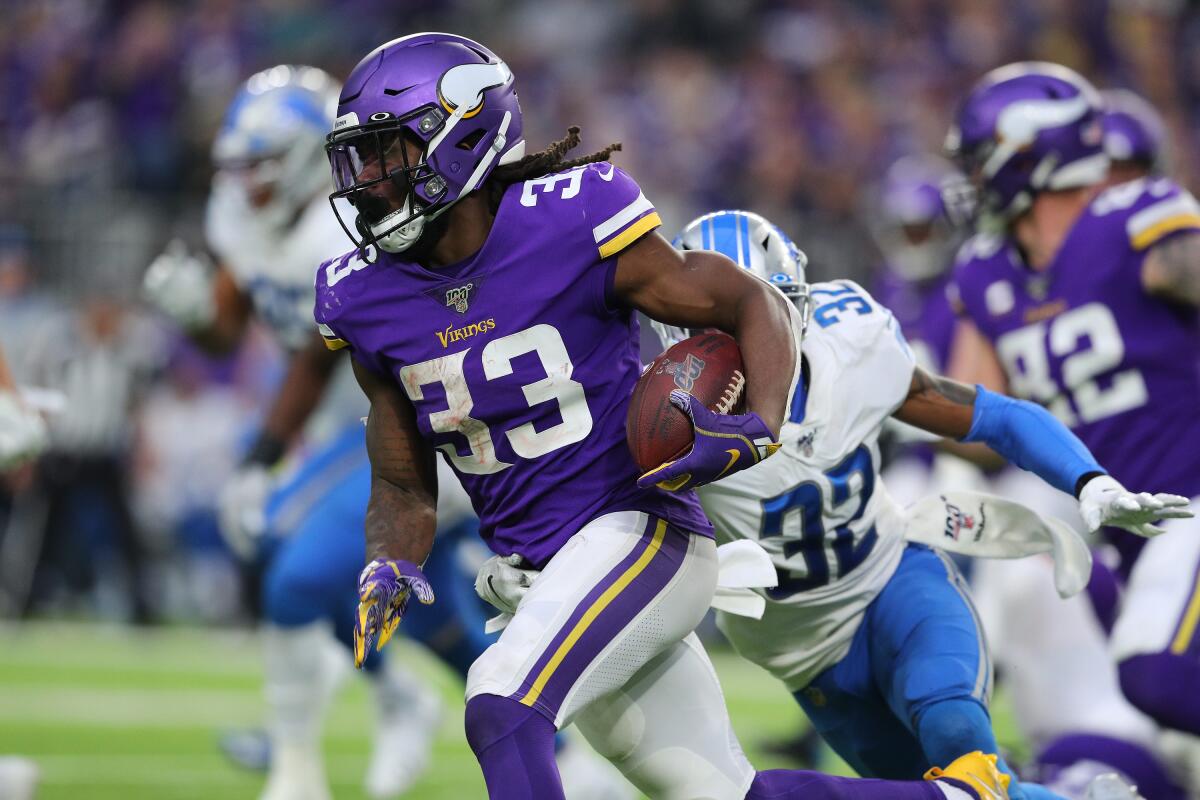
column 708, row 366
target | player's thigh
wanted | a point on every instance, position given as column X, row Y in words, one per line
column 622, row 589
column 318, row 562
column 1161, row 607
column 668, row 731
column 926, row 642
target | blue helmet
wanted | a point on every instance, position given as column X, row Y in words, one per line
column 1025, row 128
column 273, row 136
column 753, row 243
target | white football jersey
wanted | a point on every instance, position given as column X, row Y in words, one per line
column 277, row 268
column 817, row 506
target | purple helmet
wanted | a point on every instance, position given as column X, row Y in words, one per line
column 1133, row 130
column 1025, row 128
column 449, row 96
column 910, row 223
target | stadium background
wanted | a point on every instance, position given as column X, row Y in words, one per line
column 124, row 645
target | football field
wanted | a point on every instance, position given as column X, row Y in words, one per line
column 120, row 714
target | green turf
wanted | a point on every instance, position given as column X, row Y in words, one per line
column 114, row 714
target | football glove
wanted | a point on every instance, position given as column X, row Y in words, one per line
column 179, row 284
column 724, row 444
column 502, row 583
column 241, row 509
column 22, row 431
column 384, row 588
column 1103, row 501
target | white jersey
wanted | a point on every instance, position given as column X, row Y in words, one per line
column 818, row 506
column 277, row 268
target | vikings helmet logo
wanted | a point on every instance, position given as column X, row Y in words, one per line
column 458, row 297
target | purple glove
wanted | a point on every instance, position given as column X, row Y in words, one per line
column 383, row 591
column 724, row 444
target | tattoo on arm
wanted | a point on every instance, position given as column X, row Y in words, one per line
column 1172, row 269
column 938, row 405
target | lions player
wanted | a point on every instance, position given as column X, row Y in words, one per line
column 488, row 305
column 1086, row 301
column 270, row 225
column 878, row 640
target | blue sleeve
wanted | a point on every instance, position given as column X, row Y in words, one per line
column 1032, row 438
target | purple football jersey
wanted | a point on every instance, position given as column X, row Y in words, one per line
column 925, row 315
column 517, row 362
column 1120, row 367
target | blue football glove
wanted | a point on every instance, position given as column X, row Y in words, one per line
column 724, row 444
column 383, row 591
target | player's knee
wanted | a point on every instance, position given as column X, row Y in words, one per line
column 951, row 728
column 489, row 719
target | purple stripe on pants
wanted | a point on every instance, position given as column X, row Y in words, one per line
column 615, row 617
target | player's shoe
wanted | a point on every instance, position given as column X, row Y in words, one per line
column 409, row 714
column 249, row 749
column 297, row 773
column 587, row 776
column 1111, row 786
column 18, row 778
column 977, row 770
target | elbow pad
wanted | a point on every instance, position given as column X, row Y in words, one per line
column 1032, row 438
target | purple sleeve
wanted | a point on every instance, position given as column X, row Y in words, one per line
column 618, row 215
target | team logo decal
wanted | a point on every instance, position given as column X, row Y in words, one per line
column 685, row 372
column 959, row 522
column 459, row 298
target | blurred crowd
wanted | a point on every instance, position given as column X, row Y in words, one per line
column 108, row 109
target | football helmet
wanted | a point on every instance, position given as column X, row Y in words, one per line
column 271, row 141
column 1133, row 131
column 449, row 96
column 753, row 243
column 1025, row 128
column 909, row 222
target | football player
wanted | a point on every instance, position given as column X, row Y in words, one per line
column 270, row 225
column 1085, row 300
column 1134, row 136
column 488, row 305
column 878, row 641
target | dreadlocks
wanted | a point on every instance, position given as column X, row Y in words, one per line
column 544, row 162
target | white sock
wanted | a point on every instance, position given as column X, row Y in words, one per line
column 296, row 687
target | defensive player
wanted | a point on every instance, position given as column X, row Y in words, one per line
column 1086, row 301
column 270, row 226
column 489, row 305
column 878, row 641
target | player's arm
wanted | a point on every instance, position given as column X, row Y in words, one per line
column 700, row 289
column 1034, row 439
column 308, row 373
column 208, row 304
column 1171, row 269
column 401, row 514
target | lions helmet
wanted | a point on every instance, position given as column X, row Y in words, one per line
column 448, row 95
column 754, row 244
column 909, row 219
column 1025, row 128
column 270, row 143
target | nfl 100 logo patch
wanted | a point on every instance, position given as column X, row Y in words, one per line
column 459, row 297
column 685, row 373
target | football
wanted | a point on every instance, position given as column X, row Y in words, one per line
column 708, row 366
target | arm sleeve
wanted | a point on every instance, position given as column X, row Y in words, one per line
column 1176, row 212
column 1032, row 438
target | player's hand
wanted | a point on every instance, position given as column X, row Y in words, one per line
column 22, row 431
column 179, row 283
column 383, row 591
column 241, row 509
column 502, row 583
column 1104, row 501
column 724, row 444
